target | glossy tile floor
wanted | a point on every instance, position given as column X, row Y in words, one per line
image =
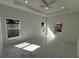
column 56, row 48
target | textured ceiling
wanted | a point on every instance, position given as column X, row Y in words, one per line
column 34, row 6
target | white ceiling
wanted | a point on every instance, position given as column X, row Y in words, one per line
column 34, row 6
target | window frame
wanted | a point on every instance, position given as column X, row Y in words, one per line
column 15, row 28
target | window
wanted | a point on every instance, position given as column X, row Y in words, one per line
column 13, row 27
column 58, row 27
column 43, row 28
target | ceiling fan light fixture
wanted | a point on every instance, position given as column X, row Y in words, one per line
column 46, row 8
column 63, row 7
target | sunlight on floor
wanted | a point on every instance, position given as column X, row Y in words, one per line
column 32, row 47
column 27, row 46
column 22, row 45
column 50, row 34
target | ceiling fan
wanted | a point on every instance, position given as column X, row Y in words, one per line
column 47, row 5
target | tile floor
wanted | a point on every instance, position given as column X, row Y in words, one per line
column 54, row 49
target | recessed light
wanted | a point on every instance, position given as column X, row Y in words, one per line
column 63, row 7
column 26, row 1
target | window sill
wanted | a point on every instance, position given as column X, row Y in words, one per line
column 13, row 38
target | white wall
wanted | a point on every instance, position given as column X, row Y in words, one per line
column 28, row 22
column 69, row 35
column 66, row 43
column 70, row 26
column 78, row 48
column 1, row 39
column 78, row 43
column 31, row 24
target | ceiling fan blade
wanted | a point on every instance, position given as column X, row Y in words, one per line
column 42, row 6
column 50, row 7
column 44, row 1
column 52, row 2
